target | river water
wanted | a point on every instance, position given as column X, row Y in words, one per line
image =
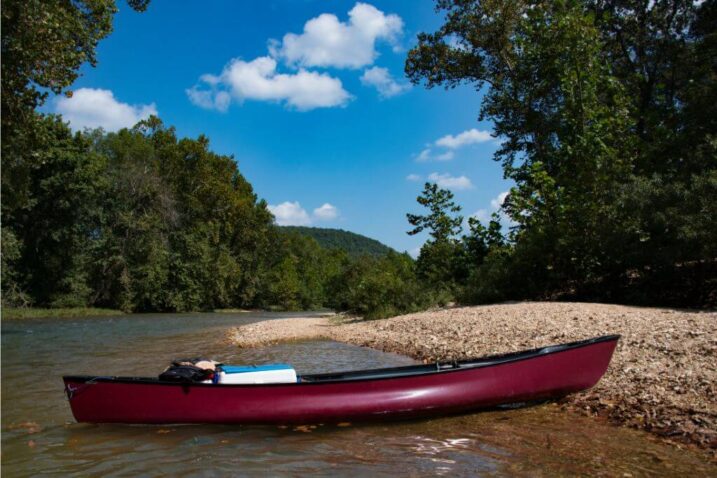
column 39, row 435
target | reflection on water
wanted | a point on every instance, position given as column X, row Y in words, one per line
column 40, row 436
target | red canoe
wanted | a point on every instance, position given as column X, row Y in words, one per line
column 401, row 392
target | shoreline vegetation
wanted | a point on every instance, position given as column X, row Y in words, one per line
column 662, row 379
column 612, row 173
column 12, row 313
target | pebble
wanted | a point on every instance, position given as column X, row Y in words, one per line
column 663, row 371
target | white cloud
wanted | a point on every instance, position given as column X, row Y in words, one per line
column 97, row 108
column 413, row 177
column 451, row 182
column 290, row 214
column 471, row 136
column 209, row 99
column 424, row 155
column 326, row 212
column 428, row 155
column 484, row 215
column 381, row 79
column 497, row 202
column 447, row 156
column 415, row 252
column 328, row 42
column 258, row 80
column 451, row 143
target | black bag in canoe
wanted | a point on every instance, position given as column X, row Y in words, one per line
column 186, row 373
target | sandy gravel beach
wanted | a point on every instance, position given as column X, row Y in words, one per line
column 663, row 377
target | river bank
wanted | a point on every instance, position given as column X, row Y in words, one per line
column 9, row 313
column 662, row 379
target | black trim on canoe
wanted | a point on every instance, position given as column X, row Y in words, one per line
column 372, row 374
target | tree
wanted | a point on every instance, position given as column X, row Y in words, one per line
column 378, row 287
column 12, row 291
column 595, row 102
column 480, row 241
column 44, row 43
column 437, row 260
column 131, row 260
column 440, row 222
column 55, row 215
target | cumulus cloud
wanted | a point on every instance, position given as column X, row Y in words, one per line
column 497, row 202
column 424, row 155
column 382, row 80
column 259, row 80
column 209, row 99
column 97, row 108
column 484, row 215
column 325, row 42
column 447, row 156
column 471, row 136
column 413, row 177
column 427, row 154
column 290, row 214
column 447, row 181
column 293, row 214
column 326, row 212
column 328, row 42
column 449, row 143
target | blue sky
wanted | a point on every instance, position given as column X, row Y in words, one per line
column 309, row 97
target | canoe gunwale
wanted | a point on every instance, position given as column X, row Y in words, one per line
column 409, row 371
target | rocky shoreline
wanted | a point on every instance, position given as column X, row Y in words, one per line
column 663, row 376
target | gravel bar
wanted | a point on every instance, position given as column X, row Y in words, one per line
column 663, row 376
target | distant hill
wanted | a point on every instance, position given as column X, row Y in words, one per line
column 354, row 244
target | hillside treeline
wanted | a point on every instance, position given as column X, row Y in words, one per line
column 354, row 244
column 606, row 112
column 607, row 116
column 141, row 220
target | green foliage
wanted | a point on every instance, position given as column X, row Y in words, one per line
column 284, row 286
column 354, row 244
column 436, row 264
column 607, row 110
column 44, row 43
column 301, row 273
column 380, row 287
column 12, row 293
column 51, row 208
column 141, row 220
column 135, row 220
column 55, row 313
column 475, row 248
column 441, row 221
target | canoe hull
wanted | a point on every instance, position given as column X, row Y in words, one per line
column 545, row 376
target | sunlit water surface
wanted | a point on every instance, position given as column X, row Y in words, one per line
column 39, row 435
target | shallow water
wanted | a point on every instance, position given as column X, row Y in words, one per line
column 40, row 436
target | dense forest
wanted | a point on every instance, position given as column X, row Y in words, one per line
column 141, row 220
column 354, row 244
column 607, row 113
